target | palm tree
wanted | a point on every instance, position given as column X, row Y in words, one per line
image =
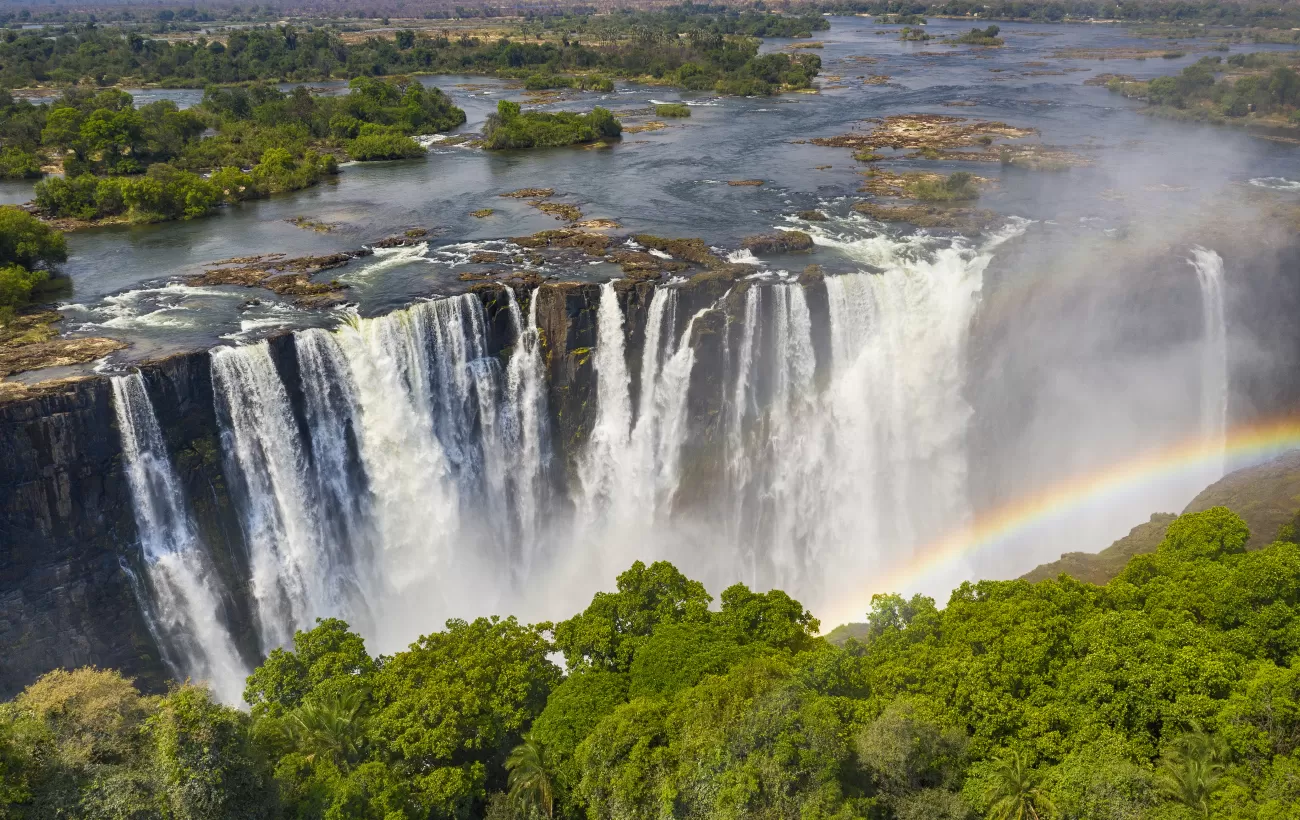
column 1191, row 770
column 531, row 782
column 1017, row 794
column 330, row 726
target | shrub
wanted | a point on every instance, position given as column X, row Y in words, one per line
column 672, row 110
column 379, row 144
column 16, row 163
column 511, row 128
column 956, row 186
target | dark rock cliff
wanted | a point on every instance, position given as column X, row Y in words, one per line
column 65, row 509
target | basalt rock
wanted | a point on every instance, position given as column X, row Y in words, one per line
column 781, row 242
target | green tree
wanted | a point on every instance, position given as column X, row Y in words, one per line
column 330, row 725
column 531, row 778
column 607, row 633
column 26, row 241
column 1192, row 768
column 206, row 756
column 329, row 656
column 1017, row 792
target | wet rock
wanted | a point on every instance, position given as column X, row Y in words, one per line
column 54, row 353
column 530, row 193
column 780, row 242
column 920, row 131
column 591, row 243
column 692, row 250
column 745, row 183
column 286, row 277
column 929, row 216
column 569, row 213
column 31, row 342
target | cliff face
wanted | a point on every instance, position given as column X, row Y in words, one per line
column 65, row 509
column 70, row 570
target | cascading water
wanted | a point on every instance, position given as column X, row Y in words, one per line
column 526, row 391
column 420, row 485
column 293, row 578
column 1214, row 355
column 185, row 609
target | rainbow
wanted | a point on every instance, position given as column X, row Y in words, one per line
column 1244, row 444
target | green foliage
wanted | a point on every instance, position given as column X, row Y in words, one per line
column 1017, row 792
column 27, row 248
column 322, row 658
column 284, row 139
column 607, row 633
column 1191, row 769
column 19, row 163
column 1272, row 87
column 205, row 755
column 981, row 37
column 383, row 143
column 457, row 701
column 956, row 186
column 26, row 241
column 531, row 778
column 1171, row 692
column 672, row 110
column 511, row 128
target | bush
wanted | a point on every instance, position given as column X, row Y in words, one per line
column 16, row 285
column 977, row 37
column 956, row 186
column 596, row 82
column 26, row 241
column 378, row 144
column 541, row 82
column 15, row 163
column 672, row 110
column 511, row 128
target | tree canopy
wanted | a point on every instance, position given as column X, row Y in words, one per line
column 1170, row 693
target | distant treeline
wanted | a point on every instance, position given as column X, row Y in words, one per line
column 689, row 47
column 1278, row 15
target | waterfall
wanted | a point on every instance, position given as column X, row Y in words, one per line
column 185, row 610
column 526, row 388
column 1214, row 350
column 610, row 435
column 406, row 475
column 292, row 575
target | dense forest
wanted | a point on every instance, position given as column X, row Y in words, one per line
column 1172, row 692
column 696, row 51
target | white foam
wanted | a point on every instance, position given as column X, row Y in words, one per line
column 1276, row 183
